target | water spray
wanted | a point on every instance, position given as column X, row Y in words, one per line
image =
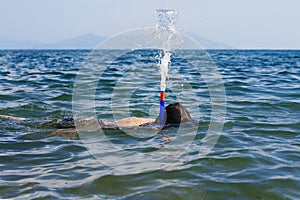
column 165, row 31
column 164, row 68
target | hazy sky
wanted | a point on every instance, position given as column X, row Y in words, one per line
column 240, row 23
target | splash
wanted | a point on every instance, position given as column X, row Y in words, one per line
column 165, row 19
column 164, row 68
column 165, row 28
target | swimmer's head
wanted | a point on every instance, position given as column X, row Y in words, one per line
column 176, row 114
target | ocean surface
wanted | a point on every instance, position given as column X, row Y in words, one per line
column 256, row 156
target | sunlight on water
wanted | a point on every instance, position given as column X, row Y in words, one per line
column 257, row 157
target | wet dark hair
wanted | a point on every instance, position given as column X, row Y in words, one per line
column 176, row 114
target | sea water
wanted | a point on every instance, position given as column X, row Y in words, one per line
column 256, row 157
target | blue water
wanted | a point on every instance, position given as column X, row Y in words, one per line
column 256, row 157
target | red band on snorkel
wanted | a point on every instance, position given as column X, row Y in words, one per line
column 162, row 96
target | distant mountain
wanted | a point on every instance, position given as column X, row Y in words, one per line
column 208, row 44
column 8, row 43
column 90, row 41
column 86, row 41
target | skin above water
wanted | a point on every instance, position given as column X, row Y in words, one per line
column 256, row 157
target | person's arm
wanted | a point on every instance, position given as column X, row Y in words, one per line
column 12, row 118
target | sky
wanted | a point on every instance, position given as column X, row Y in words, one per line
column 270, row 24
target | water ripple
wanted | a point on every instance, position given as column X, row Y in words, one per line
column 256, row 157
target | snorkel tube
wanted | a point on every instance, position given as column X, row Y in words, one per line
column 162, row 107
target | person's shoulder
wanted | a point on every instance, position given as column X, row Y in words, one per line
column 133, row 121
